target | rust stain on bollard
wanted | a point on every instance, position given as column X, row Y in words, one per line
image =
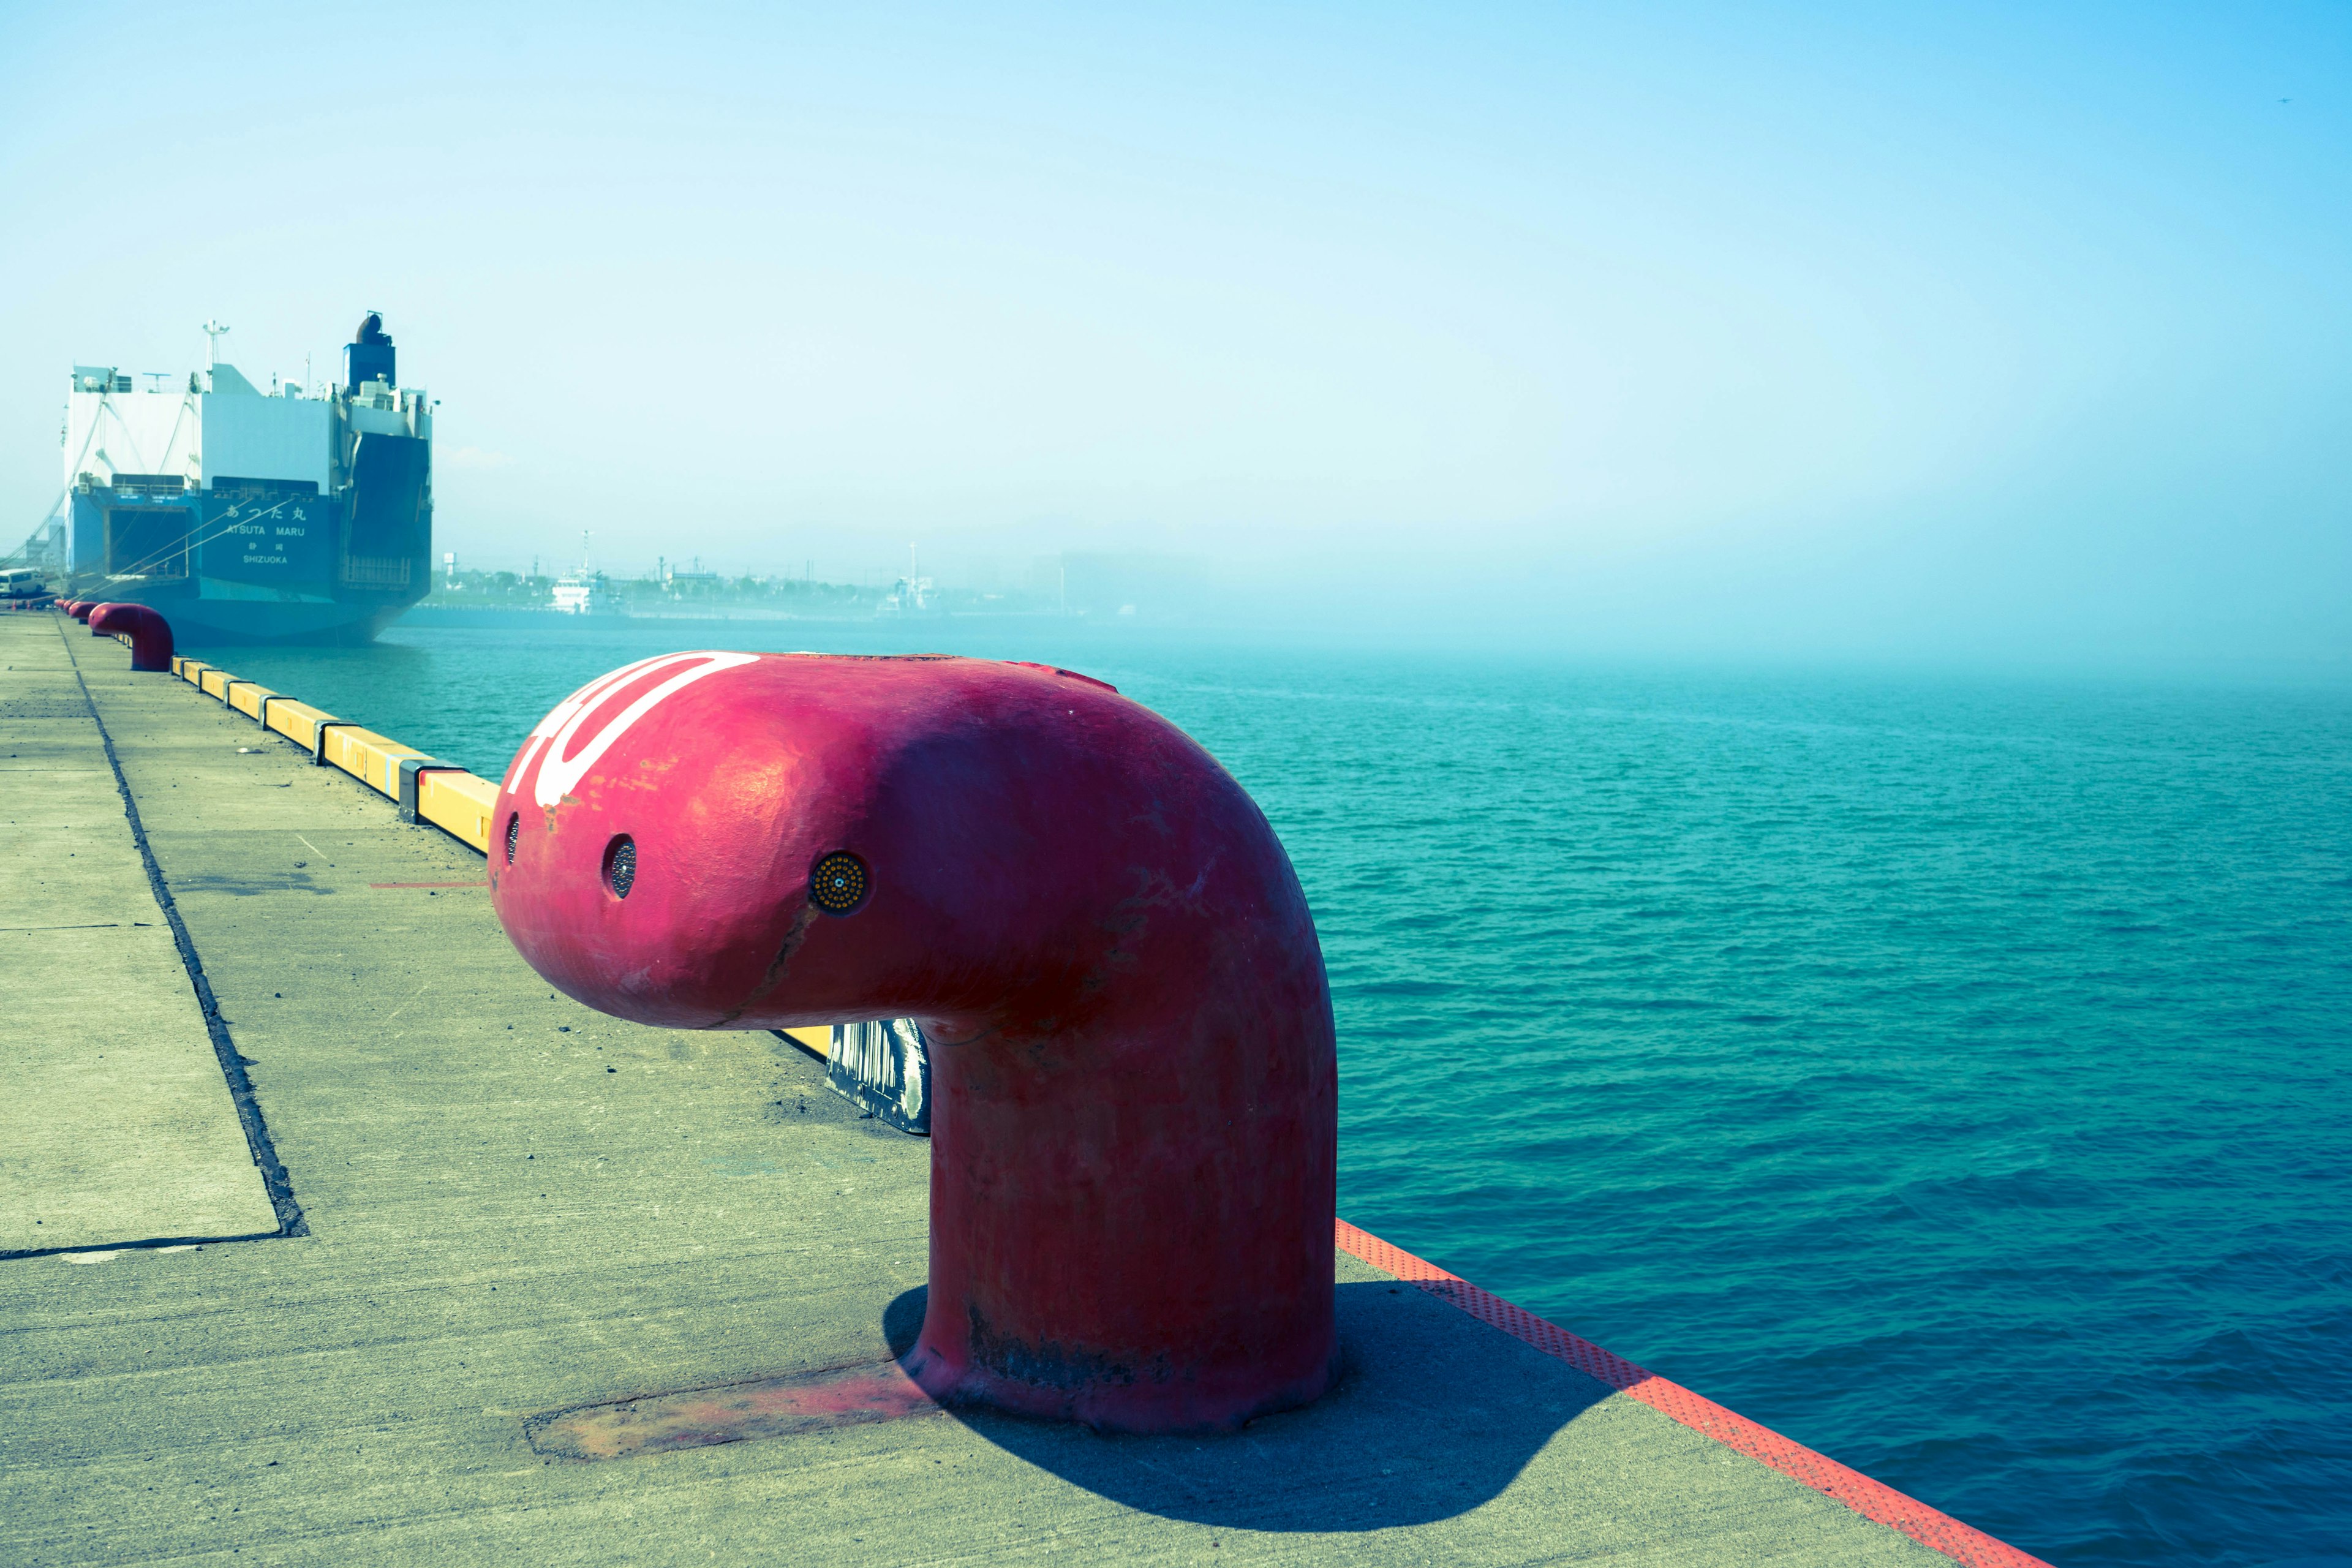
column 851, row 1396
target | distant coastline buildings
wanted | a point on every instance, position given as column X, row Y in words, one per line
column 1080, row 586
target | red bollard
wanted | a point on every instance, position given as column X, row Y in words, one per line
column 1134, row 1124
column 151, row 634
column 82, row 609
column 92, row 617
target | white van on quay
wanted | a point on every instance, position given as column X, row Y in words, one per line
column 21, row 583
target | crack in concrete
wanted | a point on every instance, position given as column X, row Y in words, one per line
column 274, row 1179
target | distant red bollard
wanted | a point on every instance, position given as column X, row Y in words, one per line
column 81, row 609
column 1134, row 1123
column 150, row 634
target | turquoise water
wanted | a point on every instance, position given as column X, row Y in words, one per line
column 1947, row 1074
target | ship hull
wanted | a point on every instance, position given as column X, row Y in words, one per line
column 201, row 623
column 260, row 561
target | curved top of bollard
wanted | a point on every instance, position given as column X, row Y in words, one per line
column 1020, row 830
column 150, row 633
column 1134, row 1125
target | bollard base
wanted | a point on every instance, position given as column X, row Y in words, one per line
column 1120, row 1399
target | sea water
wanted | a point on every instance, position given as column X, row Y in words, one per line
column 1947, row 1073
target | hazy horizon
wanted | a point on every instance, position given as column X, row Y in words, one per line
column 1997, row 336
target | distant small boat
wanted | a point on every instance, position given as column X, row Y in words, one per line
column 586, row 593
column 581, row 592
column 909, row 596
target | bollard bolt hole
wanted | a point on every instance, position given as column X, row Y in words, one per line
column 839, row 883
column 621, row 865
column 514, row 831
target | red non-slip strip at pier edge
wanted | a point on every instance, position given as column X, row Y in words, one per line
column 1881, row 1504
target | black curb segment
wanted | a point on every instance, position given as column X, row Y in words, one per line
column 318, row 738
column 409, row 768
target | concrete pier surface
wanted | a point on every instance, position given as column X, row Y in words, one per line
column 112, row 1077
column 496, row 1207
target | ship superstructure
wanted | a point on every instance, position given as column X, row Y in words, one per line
column 299, row 515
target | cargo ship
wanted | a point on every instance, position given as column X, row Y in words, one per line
column 300, row 514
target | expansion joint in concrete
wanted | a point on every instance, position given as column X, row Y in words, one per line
column 274, row 1179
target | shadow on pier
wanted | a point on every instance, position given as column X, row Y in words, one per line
column 1434, row 1414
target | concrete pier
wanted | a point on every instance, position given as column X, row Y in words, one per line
column 113, row 1075
column 493, row 1207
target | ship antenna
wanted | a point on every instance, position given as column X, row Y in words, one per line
column 214, row 332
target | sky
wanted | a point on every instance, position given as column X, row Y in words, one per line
column 1964, row 332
